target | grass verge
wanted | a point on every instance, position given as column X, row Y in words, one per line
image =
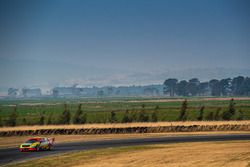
column 230, row 153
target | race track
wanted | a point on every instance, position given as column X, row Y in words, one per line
column 12, row 155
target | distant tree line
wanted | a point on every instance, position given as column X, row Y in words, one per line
column 238, row 86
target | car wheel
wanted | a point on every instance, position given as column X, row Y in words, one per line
column 50, row 148
column 37, row 148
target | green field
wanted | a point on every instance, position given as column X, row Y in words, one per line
column 99, row 110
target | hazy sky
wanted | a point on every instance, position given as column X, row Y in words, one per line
column 121, row 42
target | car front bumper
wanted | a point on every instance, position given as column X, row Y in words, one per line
column 27, row 149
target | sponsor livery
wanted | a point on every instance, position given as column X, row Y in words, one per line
column 37, row 143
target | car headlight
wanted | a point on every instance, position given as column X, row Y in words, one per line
column 33, row 145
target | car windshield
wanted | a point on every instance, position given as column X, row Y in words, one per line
column 31, row 141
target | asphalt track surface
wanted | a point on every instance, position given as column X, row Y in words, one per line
column 12, row 155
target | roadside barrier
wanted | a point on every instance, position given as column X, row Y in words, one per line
column 127, row 130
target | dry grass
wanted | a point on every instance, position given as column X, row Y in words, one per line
column 146, row 100
column 235, row 154
column 192, row 99
column 223, row 154
column 125, row 125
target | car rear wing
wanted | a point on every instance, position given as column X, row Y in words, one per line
column 51, row 140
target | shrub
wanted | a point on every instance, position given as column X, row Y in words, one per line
column 126, row 118
column 210, row 116
column 231, row 107
column 183, row 115
column 113, row 118
column 1, row 122
column 24, row 121
column 134, row 116
column 217, row 114
column 83, row 118
column 201, row 113
column 154, row 116
column 50, row 119
column 227, row 115
column 77, row 116
column 42, row 118
column 142, row 115
column 240, row 115
column 12, row 118
column 65, row 117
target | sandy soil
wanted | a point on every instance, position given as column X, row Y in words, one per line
column 223, row 154
column 144, row 100
column 124, row 125
column 192, row 99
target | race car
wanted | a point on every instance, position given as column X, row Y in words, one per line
column 37, row 143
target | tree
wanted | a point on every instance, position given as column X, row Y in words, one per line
column 24, row 121
column 42, row 118
column 225, row 86
column 154, row 115
column 215, row 87
column 113, row 118
column 204, row 89
column 100, row 93
column 245, row 87
column 210, row 116
column 77, row 116
column 183, row 115
column 65, row 117
column 126, row 118
column 193, row 86
column 12, row 92
column 217, row 114
column 1, row 121
column 49, row 122
column 201, row 113
column 110, row 91
column 83, row 118
column 231, row 107
column 181, row 88
column 133, row 117
column 237, row 85
column 240, row 116
column 227, row 115
column 170, row 86
column 142, row 115
column 12, row 118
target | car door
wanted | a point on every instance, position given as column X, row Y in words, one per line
column 43, row 144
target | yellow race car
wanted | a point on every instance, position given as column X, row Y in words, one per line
column 37, row 143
